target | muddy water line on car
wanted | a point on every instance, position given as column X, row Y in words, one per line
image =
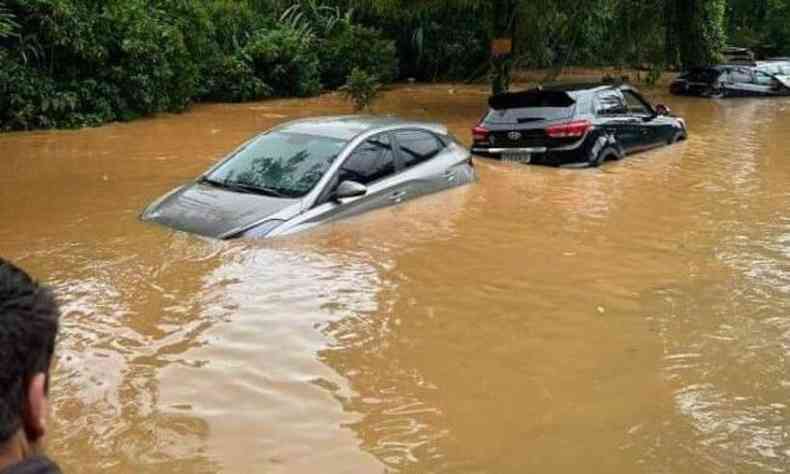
column 633, row 318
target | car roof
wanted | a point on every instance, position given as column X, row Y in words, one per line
column 773, row 62
column 348, row 127
column 573, row 89
column 580, row 86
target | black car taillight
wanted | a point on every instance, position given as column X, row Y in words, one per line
column 480, row 133
column 574, row 129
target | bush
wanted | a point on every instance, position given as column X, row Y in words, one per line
column 233, row 23
column 20, row 95
column 353, row 46
column 152, row 65
column 82, row 63
column 72, row 63
column 234, row 80
column 30, row 99
column 286, row 61
column 361, row 88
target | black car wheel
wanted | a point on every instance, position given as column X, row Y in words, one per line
column 679, row 137
column 604, row 155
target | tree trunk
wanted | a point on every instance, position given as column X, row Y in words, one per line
column 700, row 30
column 504, row 23
column 671, row 32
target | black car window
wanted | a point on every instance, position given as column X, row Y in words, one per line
column 417, row 146
column 635, row 104
column 371, row 161
column 702, row 75
column 610, row 102
column 530, row 106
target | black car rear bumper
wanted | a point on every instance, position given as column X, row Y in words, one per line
column 499, row 151
column 538, row 155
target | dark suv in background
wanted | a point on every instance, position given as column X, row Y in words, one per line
column 573, row 123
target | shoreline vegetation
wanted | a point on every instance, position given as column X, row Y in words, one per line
column 522, row 79
column 80, row 63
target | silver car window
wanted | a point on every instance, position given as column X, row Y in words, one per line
column 288, row 163
column 417, row 146
column 371, row 161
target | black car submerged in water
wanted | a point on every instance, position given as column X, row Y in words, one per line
column 573, row 123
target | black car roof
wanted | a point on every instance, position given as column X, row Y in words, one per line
column 571, row 91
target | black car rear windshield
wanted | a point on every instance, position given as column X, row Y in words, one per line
column 288, row 164
column 530, row 106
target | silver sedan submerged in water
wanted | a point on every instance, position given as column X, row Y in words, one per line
column 308, row 172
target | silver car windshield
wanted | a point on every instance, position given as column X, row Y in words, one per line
column 279, row 163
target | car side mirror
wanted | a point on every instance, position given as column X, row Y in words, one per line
column 662, row 109
column 349, row 189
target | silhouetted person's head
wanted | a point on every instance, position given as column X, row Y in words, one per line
column 28, row 328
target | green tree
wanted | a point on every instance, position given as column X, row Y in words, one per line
column 557, row 33
column 81, row 62
column 498, row 17
column 760, row 24
column 698, row 28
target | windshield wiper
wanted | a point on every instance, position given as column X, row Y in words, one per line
column 244, row 188
column 258, row 189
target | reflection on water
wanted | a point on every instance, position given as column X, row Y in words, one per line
column 632, row 318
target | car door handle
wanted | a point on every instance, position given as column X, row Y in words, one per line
column 398, row 196
column 449, row 175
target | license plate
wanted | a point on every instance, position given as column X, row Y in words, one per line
column 517, row 157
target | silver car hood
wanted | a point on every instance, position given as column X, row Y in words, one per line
column 213, row 212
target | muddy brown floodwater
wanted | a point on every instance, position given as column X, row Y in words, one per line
column 632, row 318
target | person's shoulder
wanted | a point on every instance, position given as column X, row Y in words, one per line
column 33, row 465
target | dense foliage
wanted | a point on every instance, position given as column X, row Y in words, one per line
column 70, row 63
column 760, row 24
column 552, row 33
